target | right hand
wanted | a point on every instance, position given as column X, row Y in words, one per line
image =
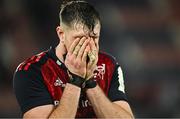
column 76, row 57
column 93, row 56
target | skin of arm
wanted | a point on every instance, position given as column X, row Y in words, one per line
column 66, row 109
column 68, row 104
column 104, row 108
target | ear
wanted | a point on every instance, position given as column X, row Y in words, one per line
column 60, row 33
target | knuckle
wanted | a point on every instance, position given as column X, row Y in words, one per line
column 76, row 64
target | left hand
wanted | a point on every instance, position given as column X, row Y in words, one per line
column 93, row 59
column 76, row 58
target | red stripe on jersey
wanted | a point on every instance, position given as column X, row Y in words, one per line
column 35, row 59
column 29, row 62
column 21, row 66
column 26, row 64
column 51, row 72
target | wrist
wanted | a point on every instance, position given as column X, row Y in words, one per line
column 76, row 80
column 91, row 83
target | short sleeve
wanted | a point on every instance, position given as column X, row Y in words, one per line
column 30, row 90
column 117, row 88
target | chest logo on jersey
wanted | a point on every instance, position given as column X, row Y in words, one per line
column 100, row 71
column 58, row 82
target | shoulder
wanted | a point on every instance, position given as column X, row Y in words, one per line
column 105, row 57
column 32, row 63
column 106, row 65
column 30, row 69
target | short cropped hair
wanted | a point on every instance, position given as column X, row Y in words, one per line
column 73, row 11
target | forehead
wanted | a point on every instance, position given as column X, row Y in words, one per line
column 82, row 30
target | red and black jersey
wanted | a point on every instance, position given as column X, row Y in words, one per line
column 41, row 79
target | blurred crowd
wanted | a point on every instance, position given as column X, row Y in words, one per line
column 143, row 35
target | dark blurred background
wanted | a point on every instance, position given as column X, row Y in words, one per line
column 144, row 35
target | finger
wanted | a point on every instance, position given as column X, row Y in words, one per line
column 78, row 46
column 81, row 51
column 73, row 45
column 92, row 59
column 82, row 40
column 93, row 47
column 94, row 51
column 92, row 44
column 84, row 57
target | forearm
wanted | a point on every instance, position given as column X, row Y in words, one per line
column 68, row 103
column 103, row 107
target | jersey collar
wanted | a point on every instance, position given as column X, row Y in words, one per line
column 52, row 54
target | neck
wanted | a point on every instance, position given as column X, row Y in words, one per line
column 60, row 51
